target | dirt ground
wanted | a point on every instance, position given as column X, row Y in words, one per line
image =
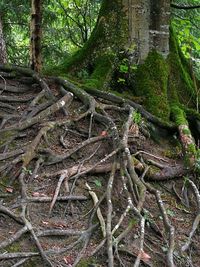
column 47, row 213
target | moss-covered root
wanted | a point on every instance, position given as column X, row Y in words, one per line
column 187, row 141
column 102, row 72
column 152, row 82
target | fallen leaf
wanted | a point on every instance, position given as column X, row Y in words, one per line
column 144, row 256
column 35, row 194
column 45, row 222
column 68, row 260
column 104, row 133
column 43, row 195
column 9, row 189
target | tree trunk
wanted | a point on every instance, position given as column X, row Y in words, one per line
column 133, row 34
column 36, row 34
column 148, row 27
column 134, row 26
column 3, row 54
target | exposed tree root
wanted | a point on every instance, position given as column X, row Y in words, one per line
column 47, row 159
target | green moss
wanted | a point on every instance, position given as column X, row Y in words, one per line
column 186, row 131
column 181, row 86
column 151, row 82
column 111, row 22
column 191, row 113
column 173, row 152
column 152, row 170
column 86, row 262
column 192, row 149
column 15, row 247
column 101, row 73
column 5, row 136
column 178, row 115
column 4, row 182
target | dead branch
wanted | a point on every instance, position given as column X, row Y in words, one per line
column 61, row 199
column 63, row 176
column 14, row 89
column 142, row 225
column 109, row 236
column 168, row 227
column 19, row 263
column 7, row 256
column 99, row 214
column 11, row 154
column 43, row 114
column 197, row 218
column 58, row 232
column 13, row 238
column 55, row 158
column 6, row 211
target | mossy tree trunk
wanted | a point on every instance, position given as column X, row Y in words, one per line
column 139, row 30
column 136, row 26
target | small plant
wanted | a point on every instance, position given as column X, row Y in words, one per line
column 83, row 74
column 124, row 67
column 137, row 117
column 185, row 181
column 98, row 183
column 123, row 70
column 121, row 80
column 197, row 161
column 170, row 213
column 27, row 171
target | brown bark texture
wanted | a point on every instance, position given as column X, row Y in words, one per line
column 3, row 53
column 148, row 27
column 36, row 34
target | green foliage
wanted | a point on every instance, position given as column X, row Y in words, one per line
column 72, row 21
column 180, row 84
column 27, row 171
column 124, row 66
column 197, row 161
column 137, row 117
column 186, row 26
column 101, row 72
column 171, row 213
column 97, row 183
column 121, row 80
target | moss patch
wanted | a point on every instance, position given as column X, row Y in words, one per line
column 5, row 136
column 181, row 86
column 152, row 82
column 178, row 115
column 86, row 262
column 101, row 73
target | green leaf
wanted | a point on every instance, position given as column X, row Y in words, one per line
column 123, row 68
column 98, row 183
column 121, row 80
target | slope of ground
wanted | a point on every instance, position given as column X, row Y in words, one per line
column 85, row 181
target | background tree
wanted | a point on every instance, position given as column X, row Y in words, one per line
column 36, row 35
column 3, row 53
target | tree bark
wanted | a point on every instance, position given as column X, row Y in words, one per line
column 3, row 53
column 36, row 35
column 136, row 34
column 148, row 27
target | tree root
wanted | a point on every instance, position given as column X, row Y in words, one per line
column 41, row 156
column 197, row 218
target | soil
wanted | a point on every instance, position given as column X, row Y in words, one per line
column 68, row 216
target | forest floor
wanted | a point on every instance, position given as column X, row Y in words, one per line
column 56, row 161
